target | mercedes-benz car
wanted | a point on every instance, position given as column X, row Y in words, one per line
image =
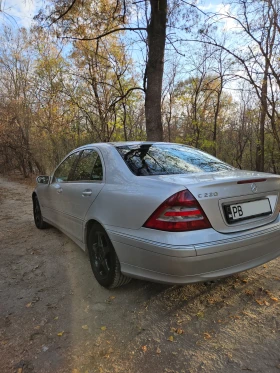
column 162, row 212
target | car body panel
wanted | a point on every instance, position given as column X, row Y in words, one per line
column 73, row 203
column 217, row 189
column 192, row 243
column 65, row 204
column 174, row 264
column 122, row 203
column 220, row 260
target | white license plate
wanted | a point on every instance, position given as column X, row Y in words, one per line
column 248, row 210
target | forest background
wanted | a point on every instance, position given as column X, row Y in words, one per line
column 201, row 74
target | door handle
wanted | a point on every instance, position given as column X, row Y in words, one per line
column 87, row 193
column 58, row 188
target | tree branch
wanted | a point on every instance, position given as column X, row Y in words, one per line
column 64, row 13
column 106, row 33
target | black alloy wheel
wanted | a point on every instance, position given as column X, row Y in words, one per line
column 38, row 218
column 103, row 258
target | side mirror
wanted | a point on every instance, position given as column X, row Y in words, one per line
column 42, row 179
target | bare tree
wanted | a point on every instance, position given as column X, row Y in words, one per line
column 257, row 24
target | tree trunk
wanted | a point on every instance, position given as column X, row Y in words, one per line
column 156, row 31
column 23, row 168
column 217, row 111
column 260, row 145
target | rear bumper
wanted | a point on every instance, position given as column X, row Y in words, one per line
column 171, row 264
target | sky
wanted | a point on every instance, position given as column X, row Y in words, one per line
column 18, row 13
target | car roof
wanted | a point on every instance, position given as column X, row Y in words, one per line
column 123, row 143
column 128, row 143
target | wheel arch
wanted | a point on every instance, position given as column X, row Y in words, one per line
column 118, row 278
column 87, row 229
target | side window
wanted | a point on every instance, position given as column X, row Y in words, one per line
column 97, row 173
column 62, row 173
column 89, row 167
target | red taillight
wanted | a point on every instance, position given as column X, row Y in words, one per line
column 180, row 212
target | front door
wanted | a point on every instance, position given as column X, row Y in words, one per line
column 54, row 201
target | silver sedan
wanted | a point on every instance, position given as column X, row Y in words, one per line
column 159, row 211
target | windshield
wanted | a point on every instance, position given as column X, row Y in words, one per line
column 167, row 159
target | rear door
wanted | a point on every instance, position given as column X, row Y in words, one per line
column 83, row 186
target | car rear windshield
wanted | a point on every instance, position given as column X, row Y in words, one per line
column 165, row 159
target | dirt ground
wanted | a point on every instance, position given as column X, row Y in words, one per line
column 55, row 318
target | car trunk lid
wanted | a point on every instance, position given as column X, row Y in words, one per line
column 221, row 194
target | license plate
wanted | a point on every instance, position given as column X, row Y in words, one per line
column 247, row 210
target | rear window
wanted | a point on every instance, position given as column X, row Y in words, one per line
column 165, row 159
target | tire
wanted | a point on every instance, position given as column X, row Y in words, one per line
column 38, row 218
column 103, row 259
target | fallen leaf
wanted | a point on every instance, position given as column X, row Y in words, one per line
column 75, row 371
column 103, row 328
column 56, row 318
column 212, row 300
column 171, row 338
column 158, row 350
column 19, row 370
column 236, row 317
column 60, row 334
column 264, row 266
column 249, row 314
column 144, row 348
column 274, row 299
column 200, row 314
column 85, row 327
column 179, row 331
column 244, row 280
column 112, row 297
column 266, row 303
column 260, row 302
column 207, row 336
column 29, row 305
